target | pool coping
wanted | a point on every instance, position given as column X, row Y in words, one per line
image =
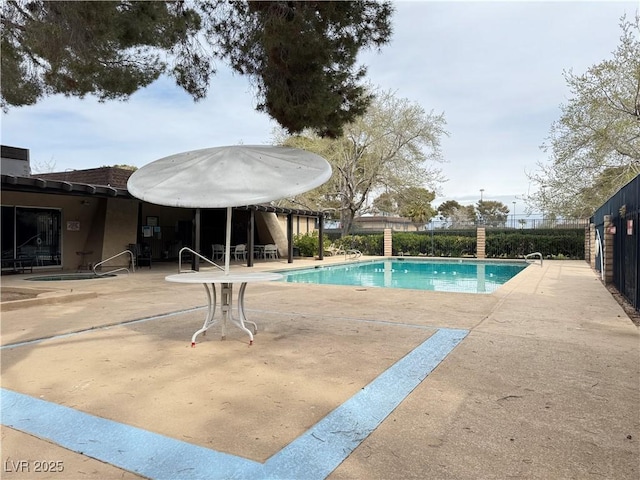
column 412, row 259
column 408, row 258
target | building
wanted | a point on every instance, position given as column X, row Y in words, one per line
column 75, row 219
column 380, row 222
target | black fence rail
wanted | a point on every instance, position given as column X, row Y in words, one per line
column 624, row 210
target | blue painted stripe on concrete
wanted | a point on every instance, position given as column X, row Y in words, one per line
column 130, row 448
column 314, row 455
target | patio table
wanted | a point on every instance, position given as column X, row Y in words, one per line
column 226, row 281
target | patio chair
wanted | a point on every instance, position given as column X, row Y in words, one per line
column 141, row 254
column 217, row 251
column 240, row 251
column 270, row 252
column 332, row 250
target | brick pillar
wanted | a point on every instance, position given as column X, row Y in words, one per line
column 607, row 246
column 480, row 242
column 388, row 243
column 590, row 245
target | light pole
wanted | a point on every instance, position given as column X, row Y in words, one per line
column 544, row 201
column 514, row 214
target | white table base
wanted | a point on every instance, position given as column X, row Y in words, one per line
column 226, row 308
column 226, row 281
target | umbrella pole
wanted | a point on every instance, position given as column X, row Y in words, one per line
column 195, row 264
column 228, row 243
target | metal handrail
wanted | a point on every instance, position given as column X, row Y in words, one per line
column 530, row 255
column 197, row 254
column 124, row 252
column 352, row 254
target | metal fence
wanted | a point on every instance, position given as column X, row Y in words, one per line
column 517, row 222
column 514, row 223
column 552, row 243
column 624, row 209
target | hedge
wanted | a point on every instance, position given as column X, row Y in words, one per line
column 551, row 243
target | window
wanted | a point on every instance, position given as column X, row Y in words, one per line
column 32, row 233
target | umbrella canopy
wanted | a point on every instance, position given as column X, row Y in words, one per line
column 229, row 176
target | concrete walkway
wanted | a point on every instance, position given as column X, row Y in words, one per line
column 540, row 379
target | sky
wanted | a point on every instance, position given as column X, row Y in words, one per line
column 494, row 69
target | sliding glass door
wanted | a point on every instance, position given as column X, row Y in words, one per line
column 32, row 233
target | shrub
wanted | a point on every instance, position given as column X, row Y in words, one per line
column 552, row 243
column 560, row 244
column 307, row 243
column 372, row 244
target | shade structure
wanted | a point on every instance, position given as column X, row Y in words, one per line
column 229, row 176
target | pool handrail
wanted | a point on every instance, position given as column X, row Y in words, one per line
column 529, row 257
column 352, row 254
column 198, row 255
column 124, row 252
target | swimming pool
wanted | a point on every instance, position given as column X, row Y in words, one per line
column 466, row 276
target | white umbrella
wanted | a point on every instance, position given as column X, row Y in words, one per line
column 229, row 177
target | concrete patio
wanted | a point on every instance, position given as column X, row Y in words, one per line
column 540, row 379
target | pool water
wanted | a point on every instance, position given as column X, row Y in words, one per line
column 442, row 276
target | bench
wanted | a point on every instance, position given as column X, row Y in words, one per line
column 19, row 265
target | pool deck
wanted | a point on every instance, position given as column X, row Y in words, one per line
column 540, row 379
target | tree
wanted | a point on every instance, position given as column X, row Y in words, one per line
column 594, row 147
column 301, row 56
column 492, row 213
column 456, row 215
column 415, row 203
column 412, row 202
column 124, row 166
column 393, row 146
column 385, row 203
column 110, row 49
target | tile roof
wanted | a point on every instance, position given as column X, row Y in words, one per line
column 108, row 176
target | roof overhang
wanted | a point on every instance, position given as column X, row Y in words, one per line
column 33, row 184
column 59, row 187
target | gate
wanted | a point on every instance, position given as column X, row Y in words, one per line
column 624, row 209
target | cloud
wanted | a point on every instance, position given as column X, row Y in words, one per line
column 155, row 122
column 495, row 69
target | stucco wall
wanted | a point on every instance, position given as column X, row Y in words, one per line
column 105, row 225
column 120, row 222
column 301, row 225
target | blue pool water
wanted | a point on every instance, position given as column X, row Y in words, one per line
column 442, row 276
